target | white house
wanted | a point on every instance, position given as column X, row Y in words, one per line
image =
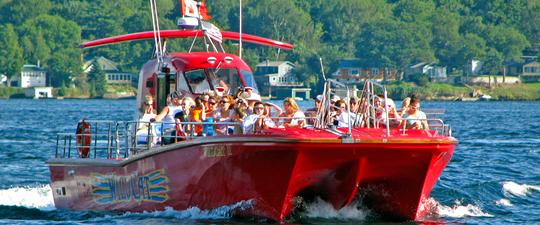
column 434, row 71
column 279, row 73
column 31, row 76
column 113, row 75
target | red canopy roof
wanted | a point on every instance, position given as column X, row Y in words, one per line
column 185, row 34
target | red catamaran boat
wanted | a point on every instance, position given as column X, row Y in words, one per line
column 110, row 167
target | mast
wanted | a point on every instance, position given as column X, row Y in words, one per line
column 240, row 24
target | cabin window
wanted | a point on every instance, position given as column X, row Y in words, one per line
column 197, row 81
column 225, row 77
column 248, row 79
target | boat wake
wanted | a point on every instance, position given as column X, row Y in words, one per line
column 458, row 210
column 321, row 209
column 223, row 212
column 511, row 188
column 39, row 197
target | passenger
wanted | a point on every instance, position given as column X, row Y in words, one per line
column 148, row 106
column 293, row 111
column 312, row 112
column 238, row 115
column 393, row 114
column 258, row 121
column 405, row 105
column 167, row 113
column 353, row 103
column 343, row 116
column 251, row 99
column 414, row 118
column 241, row 104
column 223, row 113
column 212, row 103
column 197, row 115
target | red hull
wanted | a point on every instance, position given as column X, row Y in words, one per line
column 394, row 175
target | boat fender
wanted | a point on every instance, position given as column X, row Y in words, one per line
column 83, row 138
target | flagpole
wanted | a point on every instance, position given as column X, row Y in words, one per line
column 240, row 44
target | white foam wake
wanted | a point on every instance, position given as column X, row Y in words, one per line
column 223, row 212
column 322, row 209
column 503, row 202
column 521, row 190
column 31, row 197
column 458, row 210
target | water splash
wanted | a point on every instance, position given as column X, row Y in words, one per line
column 322, row 209
column 515, row 189
column 223, row 212
column 503, row 202
column 39, row 197
column 458, row 210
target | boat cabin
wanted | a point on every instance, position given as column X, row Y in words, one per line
column 193, row 74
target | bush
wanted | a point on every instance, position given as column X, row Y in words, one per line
column 419, row 79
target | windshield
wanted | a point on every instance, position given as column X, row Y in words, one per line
column 225, row 77
column 249, row 79
column 197, row 81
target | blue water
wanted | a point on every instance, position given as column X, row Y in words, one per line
column 493, row 178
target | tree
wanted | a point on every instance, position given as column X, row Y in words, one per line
column 97, row 80
column 11, row 58
column 394, row 44
column 55, row 40
column 16, row 12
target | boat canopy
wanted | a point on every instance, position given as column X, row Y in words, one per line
column 186, row 34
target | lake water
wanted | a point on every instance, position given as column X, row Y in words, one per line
column 493, row 178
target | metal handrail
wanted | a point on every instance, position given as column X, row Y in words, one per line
column 111, row 140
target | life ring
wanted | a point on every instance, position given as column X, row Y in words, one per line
column 83, row 138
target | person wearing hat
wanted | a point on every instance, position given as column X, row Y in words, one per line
column 251, row 99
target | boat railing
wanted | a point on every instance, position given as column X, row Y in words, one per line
column 121, row 139
column 373, row 104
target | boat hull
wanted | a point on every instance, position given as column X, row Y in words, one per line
column 393, row 179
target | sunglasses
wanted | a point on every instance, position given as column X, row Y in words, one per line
column 259, row 108
column 212, row 103
column 223, row 102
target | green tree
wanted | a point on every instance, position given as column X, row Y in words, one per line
column 394, row 44
column 11, row 58
column 16, row 12
column 61, row 38
column 97, row 80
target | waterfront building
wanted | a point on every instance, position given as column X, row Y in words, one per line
column 30, row 76
column 277, row 79
column 113, row 75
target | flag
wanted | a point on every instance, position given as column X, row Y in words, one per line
column 212, row 31
column 190, row 9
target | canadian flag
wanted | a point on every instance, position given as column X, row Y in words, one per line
column 190, row 9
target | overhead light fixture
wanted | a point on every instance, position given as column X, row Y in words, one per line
column 228, row 59
column 212, row 59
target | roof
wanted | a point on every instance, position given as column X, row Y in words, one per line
column 349, row 63
column 104, row 63
column 28, row 68
column 273, row 63
column 534, row 63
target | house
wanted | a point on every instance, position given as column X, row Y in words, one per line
column 3, row 79
column 531, row 72
column 113, row 75
column 435, row 72
column 30, row 76
column 277, row 78
column 351, row 71
column 278, row 73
